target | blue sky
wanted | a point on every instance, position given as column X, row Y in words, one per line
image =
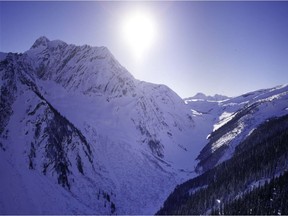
column 222, row 47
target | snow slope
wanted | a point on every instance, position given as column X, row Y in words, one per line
column 233, row 120
column 76, row 123
column 80, row 135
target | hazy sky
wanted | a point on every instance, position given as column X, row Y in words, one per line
column 212, row 47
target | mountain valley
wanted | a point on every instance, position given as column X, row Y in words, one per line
column 80, row 135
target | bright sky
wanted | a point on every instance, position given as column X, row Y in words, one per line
column 222, row 47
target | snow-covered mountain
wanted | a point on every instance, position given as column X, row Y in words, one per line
column 243, row 167
column 78, row 134
column 202, row 96
column 235, row 119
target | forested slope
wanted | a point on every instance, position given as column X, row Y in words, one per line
column 260, row 158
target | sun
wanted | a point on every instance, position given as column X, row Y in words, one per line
column 139, row 32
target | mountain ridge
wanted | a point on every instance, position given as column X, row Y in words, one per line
column 267, row 104
column 202, row 96
column 77, row 118
column 245, row 154
column 77, row 123
column 219, row 189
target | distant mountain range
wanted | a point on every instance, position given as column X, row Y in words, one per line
column 202, row 96
column 80, row 135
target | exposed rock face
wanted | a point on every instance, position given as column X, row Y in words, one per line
column 98, row 139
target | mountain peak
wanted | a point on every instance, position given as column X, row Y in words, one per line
column 41, row 41
column 202, row 96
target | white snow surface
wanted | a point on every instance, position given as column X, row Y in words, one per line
column 269, row 103
column 141, row 135
column 144, row 139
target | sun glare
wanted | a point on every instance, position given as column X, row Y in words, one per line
column 139, row 32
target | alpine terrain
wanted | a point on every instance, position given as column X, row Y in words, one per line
column 243, row 168
column 80, row 135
